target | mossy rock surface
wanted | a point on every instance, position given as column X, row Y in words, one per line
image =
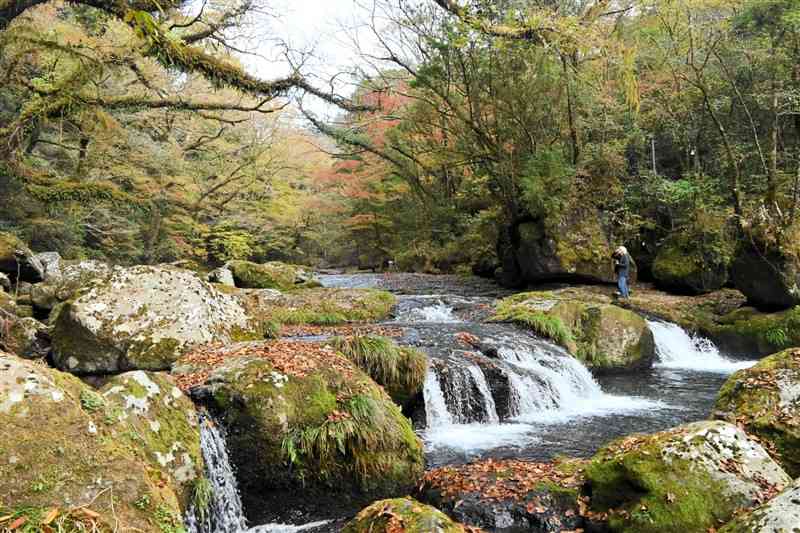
column 399, row 370
column 70, row 278
column 691, row 478
column 148, row 409
column 62, row 448
column 768, row 276
column 301, row 415
column 26, row 337
column 765, row 399
column 683, row 267
column 781, row 514
column 748, row 331
column 272, row 275
column 7, row 303
column 605, row 337
column 17, row 258
column 510, row 495
column 328, row 307
column 144, row 318
column 402, row 515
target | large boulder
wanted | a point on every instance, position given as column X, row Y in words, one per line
column 401, row 515
column 272, row 275
column 781, row 514
column 691, row 478
column 70, row 277
column 51, row 264
column 65, row 451
column 399, row 370
column 303, row 420
column 150, row 406
column 605, row 337
column 765, row 400
column 575, row 247
column 688, row 267
column 223, row 276
column 510, row 495
column 17, row 258
column 319, row 306
column 26, row 337
column 768, row 276
column 144, row 318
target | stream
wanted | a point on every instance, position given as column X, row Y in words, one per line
column 515, row 396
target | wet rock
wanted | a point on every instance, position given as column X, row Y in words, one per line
column 273, row 275
column 144, row 318
column 769, row 277
column 781, row 514
column 402, row 515
column 223, row 276
column 165, row 423
column 684, row 267
column 509, row 495
column 72, row 276
column 63, row 447
column 26, row 337
column 302, row 420
column 498, row 381
column 605, row 337
column 691, row 478
column 765, row 400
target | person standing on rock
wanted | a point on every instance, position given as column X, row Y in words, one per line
column 622, row 267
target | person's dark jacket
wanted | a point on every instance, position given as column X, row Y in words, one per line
column 622, row 264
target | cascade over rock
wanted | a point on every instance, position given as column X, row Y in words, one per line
column 576, row 248
column 765, row 399
column 780, row 514
column 144, row 318
column 66, row 446
column 690, row 478
column 769, row 277
column 302, row 416
column 402, row 515
column 605, row 337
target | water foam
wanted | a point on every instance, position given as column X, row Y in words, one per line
column 677, row 349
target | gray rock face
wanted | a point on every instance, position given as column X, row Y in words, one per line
column 779, row 515
column 51, row 263
column 71, row 277
column 770, row 279
column 5, row 283
column 222, row 276
column 144, row 318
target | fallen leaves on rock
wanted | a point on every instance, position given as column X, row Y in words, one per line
column 293, row 358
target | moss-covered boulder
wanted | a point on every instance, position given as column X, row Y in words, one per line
column 67, row 457
column 61, row 285
column 401, row 515
column 400, row 370
column 272, row 275
column 687, row 265
column 26, row 337
column 328, row 307
column 749, row 332
column 765, row 400
column 781, row 514
column 769, row 276
column 510, row 495
column 144, row 318
column 573, row 246
column 605, row 337
column 7, row 304
column 16, row 258
column 691, row 478
column 301, row 415
column 151, row 410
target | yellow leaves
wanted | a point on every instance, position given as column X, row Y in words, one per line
column 50, row 516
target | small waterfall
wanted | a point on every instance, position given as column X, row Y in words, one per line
column 225, row 513
column 436, row 413
column 439, row 313
column 678, row 350
column 457, row 393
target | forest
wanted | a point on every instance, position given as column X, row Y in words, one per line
column 246, row 288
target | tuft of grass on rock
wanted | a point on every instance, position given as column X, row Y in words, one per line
column 544, row 325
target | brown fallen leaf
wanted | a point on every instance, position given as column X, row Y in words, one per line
column 19, row 522
column 50, row 516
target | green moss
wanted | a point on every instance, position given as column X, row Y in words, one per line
column 401, row 514
column 91, row 401
column 401, row 371
column 272, row 275
column 545, row 325
column 328, row 307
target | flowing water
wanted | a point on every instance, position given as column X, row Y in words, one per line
column 493, row 390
